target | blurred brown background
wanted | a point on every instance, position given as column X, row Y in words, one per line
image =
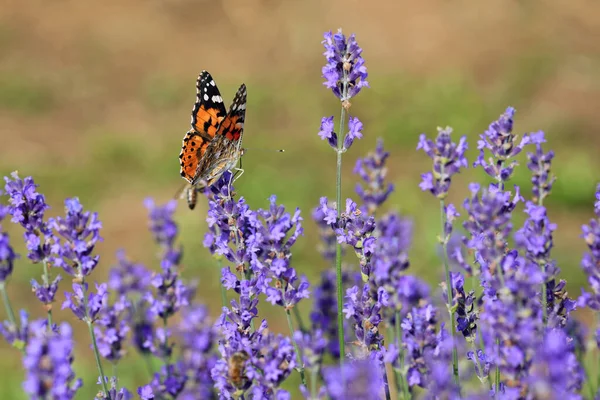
column 95, row 98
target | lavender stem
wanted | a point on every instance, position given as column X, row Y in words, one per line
column 338, row 246
column 7, row 305
column 46, row 279
column 296, row 349
column 98, row 362
column 449, row 292
column 403, row 381
column 299, row 320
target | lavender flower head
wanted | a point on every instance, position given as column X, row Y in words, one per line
column 539, row 164
column 271, row 240
column 356, row 380
column 197, row 356
column 555, row 371
column 372, row 171
column 27, row 208
column 365, row 313
column 48, row 363
column 502, row 144
column 7, row 254
column 591, row 259
column 345, row 72
column 16, row 334
column 353, row 228
column 448, row 158
column 76, row 236
column 164, row 229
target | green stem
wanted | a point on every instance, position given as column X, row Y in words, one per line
column 90, row 325
column 338, row 246
column 403, row 381
column 397, row 377
column 313, row 383
column 46, row 279
column 497, row 377
column 7, row 306
column 298, row 356
column 299, row 319
column 97, row 356
column 449, row 294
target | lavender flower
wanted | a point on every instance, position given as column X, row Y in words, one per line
column 128, row 278
column 114, row 392
column 358, row 380
column 466, row 313
column 278, row 233
column 345, row 72
column 355, row 229
column 448, row 158
column 47, row 362
column 327, row 132
column 27, row 208
column 440, row 384
column 324, row 314
column 197, row 340
column 257, row 362
column 390, row 263
column 86, row 308
column 502, row 144
column 539, row 164
column 164, row 230
column 372, row 171
column 420, row 340
column 112, row 329
column 168, row 383
column 365, row 312
column 327, row 236
column 354, row 132
column 7, row 254
column 555, row 371
column 536, row 238
column 591, row 260
column 489, row 227
column 46, row 292
column 16, row 334
column 76, row 236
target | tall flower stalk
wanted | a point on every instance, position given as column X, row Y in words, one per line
column 27, row 208
column 345, row 74
column 76, row 236
column 448, row 158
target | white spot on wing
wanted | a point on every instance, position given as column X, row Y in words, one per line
column 205, row 97
column 217, row 99
column 212, row 83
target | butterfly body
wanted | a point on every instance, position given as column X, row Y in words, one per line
column 214, row 143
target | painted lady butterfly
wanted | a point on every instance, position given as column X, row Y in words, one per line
column 214, row 144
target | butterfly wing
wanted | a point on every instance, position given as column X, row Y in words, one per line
column 224, row 150
column 207, row 114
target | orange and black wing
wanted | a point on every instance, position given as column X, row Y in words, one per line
column 207, row 114
column 232, row 126
column 223, row 151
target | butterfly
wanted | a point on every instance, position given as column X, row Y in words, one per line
column 214, row 144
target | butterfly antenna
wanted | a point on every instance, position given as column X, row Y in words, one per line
column 259, row 149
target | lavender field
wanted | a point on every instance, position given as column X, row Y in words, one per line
column 424, row 235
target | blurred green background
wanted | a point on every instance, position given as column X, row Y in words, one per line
column 95, row 98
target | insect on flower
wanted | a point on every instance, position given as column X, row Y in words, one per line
column 214, row 144
column 235, row 367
